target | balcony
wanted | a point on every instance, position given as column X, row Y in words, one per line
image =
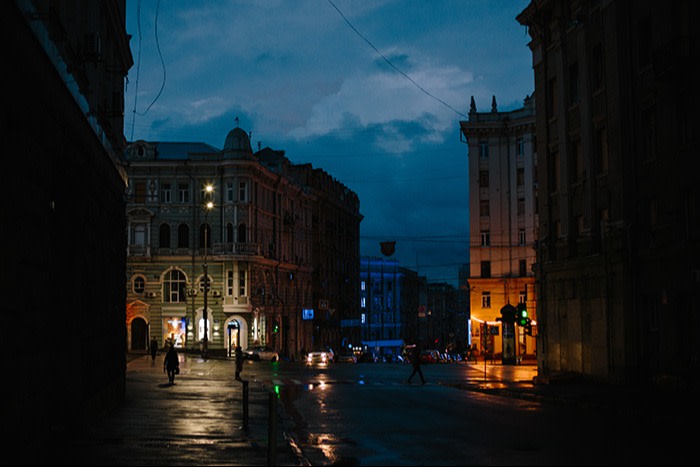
column 139, row 250
column 236, row 249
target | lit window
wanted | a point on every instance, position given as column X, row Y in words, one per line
column 485, row 299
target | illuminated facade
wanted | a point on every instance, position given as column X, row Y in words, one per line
column 502, row 223
column 258, row 242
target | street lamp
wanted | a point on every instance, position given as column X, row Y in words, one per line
column 209, row 189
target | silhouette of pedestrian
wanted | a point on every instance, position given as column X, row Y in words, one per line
column 171, row 364
column 154, row 348
column 239, row 362
column 415, row 362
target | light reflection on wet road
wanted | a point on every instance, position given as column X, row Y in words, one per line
column 367, row 415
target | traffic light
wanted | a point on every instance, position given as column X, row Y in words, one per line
column 521, row 315
column 508, row 314
column 528, row 327
column 275, row 327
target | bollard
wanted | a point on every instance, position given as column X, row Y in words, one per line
column 272, row 431
column 245, row 405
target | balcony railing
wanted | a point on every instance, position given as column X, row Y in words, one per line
column 219, row 249
column 139, row 250
column 247, row 249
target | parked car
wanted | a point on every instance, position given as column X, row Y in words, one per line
column 429, row 356
column 346, row 357
column 261, row 352
column 323, row 355
column 367, row 357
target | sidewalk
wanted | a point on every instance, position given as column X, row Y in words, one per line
column 197, row 421
column 663, row 402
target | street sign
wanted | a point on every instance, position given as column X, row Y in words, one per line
column 323, row 304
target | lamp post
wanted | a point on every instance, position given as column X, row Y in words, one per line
column 209, row 205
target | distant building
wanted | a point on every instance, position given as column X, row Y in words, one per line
column 269, row 279
column 63, row 221
column 618, row 257
column 446, row 324
column 502, row 220
column 380, row 304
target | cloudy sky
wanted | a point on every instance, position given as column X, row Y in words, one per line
column 371, row 91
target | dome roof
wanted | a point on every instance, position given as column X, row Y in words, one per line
column 238, row 141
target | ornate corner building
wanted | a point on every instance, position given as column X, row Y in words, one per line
column 273, row 260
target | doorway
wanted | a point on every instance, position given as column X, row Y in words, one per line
column 139, row 334
column 233, row 333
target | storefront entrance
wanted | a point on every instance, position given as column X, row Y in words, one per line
column 233, row 336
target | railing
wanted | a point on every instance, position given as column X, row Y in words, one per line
column 138, row 250
column 249, row 249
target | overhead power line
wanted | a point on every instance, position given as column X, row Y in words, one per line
column 138, row 65
column 427, row 93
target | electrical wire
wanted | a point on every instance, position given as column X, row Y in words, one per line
column 427, row 93
column 138, row 65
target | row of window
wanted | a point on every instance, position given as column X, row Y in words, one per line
column 182, row 190
column 486, row 298
column 519, row 148
column 174, row 285
column 486, row 268
column 484, row 177
column 485, row 207
column 183, row 235
column 486, row 238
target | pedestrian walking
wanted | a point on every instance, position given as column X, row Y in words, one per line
column 415, row 363
column 154, row 348
column 239, row 362
column 171, row 364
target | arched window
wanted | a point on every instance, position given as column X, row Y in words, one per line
column 139, row 284
column 183, row 236
column 241, row 233
column 174, row 286
column 164, row 241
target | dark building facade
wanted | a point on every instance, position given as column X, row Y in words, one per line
column 63, row 227
column 618, row 265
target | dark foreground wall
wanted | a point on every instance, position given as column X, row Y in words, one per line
column 63, row 257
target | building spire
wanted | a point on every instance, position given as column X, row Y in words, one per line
column 494, row 107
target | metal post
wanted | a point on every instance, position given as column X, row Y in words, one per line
column 272, row 431
column 245, row 405
column 208, row 207
column 205, row 346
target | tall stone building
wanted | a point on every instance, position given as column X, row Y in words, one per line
column 251, row 267
column 502, row 225
column 63, row 220
column 618, row 258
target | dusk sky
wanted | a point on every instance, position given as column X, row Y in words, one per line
column 372, row 92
